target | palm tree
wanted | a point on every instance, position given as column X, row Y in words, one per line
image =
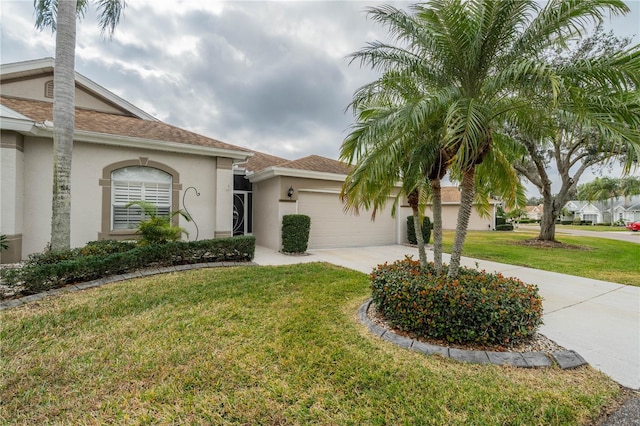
column 389, row 148
column 60, row 16
column 481, row 61
column 630, row 186
column 393, row 167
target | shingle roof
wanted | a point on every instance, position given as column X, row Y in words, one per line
column 261, row 161
column 316, row 163
column 115, row 124
column 450, row 194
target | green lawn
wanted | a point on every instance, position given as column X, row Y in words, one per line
column 256, row 345
column 596, row 228
column 598, row 258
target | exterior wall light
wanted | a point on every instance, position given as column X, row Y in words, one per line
column 290, row 192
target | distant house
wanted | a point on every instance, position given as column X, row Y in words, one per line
column 534, row 212
column 123, row 154
column 624, row 210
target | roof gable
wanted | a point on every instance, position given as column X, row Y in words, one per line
column 88, row 93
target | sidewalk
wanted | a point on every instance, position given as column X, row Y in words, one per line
column 598, row 319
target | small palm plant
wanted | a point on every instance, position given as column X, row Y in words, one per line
column 158, row 229
column 4, row 242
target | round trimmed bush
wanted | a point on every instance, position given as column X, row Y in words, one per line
column 476, row 307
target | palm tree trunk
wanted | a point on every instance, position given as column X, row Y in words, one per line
column 414, row 200
column 612, row 212
column 464, row 213
column 437, row 225
column 64, row 123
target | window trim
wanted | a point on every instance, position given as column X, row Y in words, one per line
column 105, row 182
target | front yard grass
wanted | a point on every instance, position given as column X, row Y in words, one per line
column 598, row 258
column 256, row 345
column 596, row 228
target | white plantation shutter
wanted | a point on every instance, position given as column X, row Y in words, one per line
column 138, row 184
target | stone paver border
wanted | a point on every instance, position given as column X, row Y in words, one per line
column 11, row 303
column 565, row 359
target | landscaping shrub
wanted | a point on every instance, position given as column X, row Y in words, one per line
column 476, row 307
column 54, row 269
column 500, row 221
column 566, row 222
column 158, row 228
column 505, row 227
column 426, row 230
column 295, row 233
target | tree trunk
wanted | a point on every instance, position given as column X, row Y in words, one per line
column 549, row 216
column 414, row 201
column 550, row 210
column 64, row 123
column 437, row 225
column 464, row 213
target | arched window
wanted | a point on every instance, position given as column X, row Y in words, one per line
column 133, row 180
column 138, row 183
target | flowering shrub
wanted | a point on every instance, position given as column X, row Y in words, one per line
column 476, row 307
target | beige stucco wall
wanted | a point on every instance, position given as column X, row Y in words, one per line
column 271, row 202
column 224, row 192
column 266, row 211
column 89, row 160
column 33, row 88
column 450, row 218
column 304, row 183
column 11, row 194
column 11, row 182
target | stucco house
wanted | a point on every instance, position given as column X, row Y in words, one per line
column 123, row 154
column 625, row 209
column 535, row 212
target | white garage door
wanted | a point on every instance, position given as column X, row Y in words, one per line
column 332, row 227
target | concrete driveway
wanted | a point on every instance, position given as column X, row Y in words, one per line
column 599, row 320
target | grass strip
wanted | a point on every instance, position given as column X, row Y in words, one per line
column 590, row 257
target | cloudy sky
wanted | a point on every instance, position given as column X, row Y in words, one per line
column 271, row 75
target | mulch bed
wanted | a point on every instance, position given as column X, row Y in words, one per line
column 534, row 242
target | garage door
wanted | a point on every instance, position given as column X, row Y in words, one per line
column 332, row 227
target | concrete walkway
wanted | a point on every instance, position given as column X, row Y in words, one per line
column 599, row 320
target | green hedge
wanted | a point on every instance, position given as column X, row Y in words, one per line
column 504, row 227
column 477, row 307
column 295, row 233
column 426, row 230
column 54, row 269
